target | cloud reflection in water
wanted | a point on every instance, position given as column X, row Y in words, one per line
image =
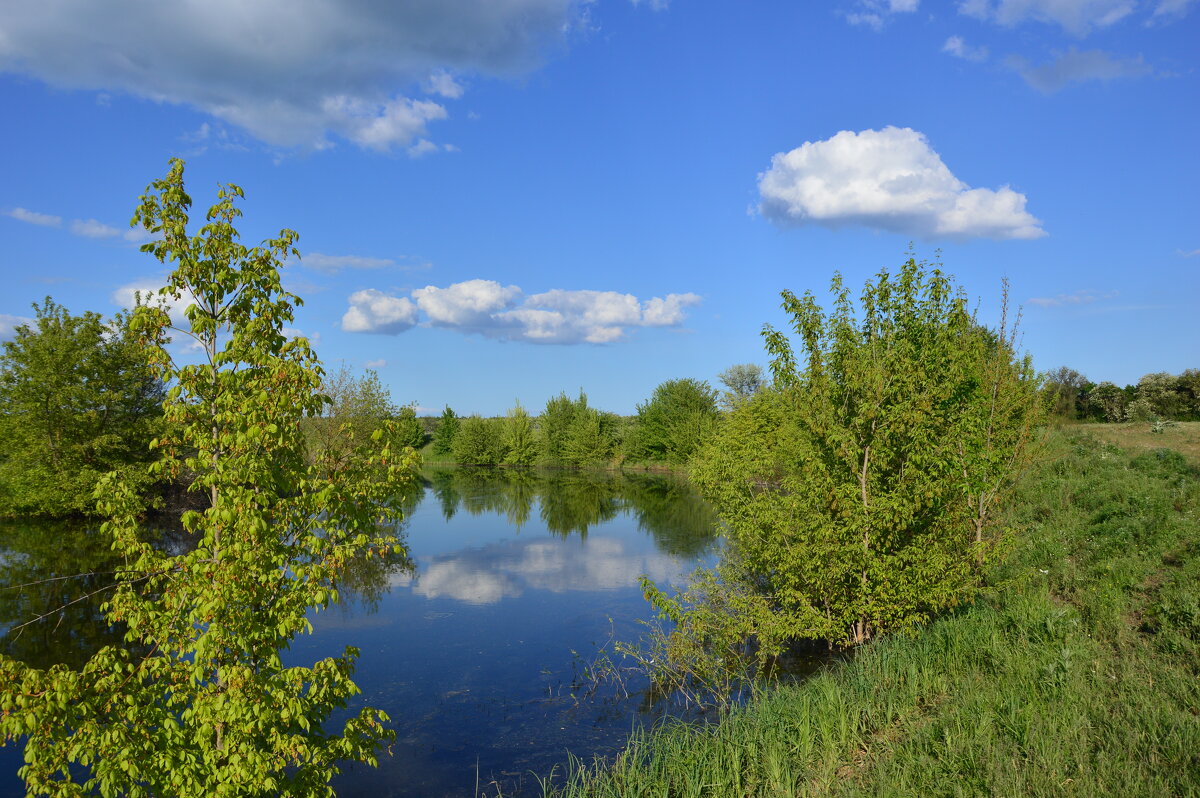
column 507, row 569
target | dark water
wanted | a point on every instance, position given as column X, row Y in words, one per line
column 476, row 647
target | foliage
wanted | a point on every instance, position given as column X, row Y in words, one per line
column 570, row 433
column 210, row 709
column 408, row 429
column 859, row 491
column 1066, row 388
column 477, row 442
column 77, row 399
column 519, row 443
column 742, row 380
column 678, row 419
column 356, row 407
column 447, row 429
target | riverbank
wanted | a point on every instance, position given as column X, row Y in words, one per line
column 1077, row 675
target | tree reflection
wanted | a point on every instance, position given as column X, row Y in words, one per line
column 572, row 502
column 59, row 572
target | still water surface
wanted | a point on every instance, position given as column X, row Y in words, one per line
column 475, row 646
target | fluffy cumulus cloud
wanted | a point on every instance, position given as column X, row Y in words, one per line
column 1076, row 66
column 1077, row 17
column 888, row 179
column 504, row 312
column 292, row 74
column 374, row 311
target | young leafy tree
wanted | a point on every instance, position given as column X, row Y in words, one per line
column 447, row 429
column 205, row 707
column 860, row 490
column 409, row 431
column 478, row 442
column 520, row 446
column 357, row 406
column 78, row 399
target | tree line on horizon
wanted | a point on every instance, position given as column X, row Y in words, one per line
column 1157, row 396
column 79, row 399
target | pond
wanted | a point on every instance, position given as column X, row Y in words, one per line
column 477, row 646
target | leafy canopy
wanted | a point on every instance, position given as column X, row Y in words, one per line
column 859, row 491
column 77, row 399
column 207, row 708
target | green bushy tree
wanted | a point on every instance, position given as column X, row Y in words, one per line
column 409, row 431
column 447, row 429
column 859, row 491
column 78, row 399
column 479, row 442
column 199, row 702
column 519, row 441
column 679, row 417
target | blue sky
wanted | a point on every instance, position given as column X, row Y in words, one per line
column 504, row 199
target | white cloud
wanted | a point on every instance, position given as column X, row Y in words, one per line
column 958, row 47
column 374, row 311
column 887, row 179
column 1170, row 10
column 1077, row 66
column 292, row 74
column 376, row 364
column 147, row 289
column 1082, row 297
column 1191, row 254
column 33, row 217
column 653, row 5
column 552, row 317
column 9, row 325
column 1077, row 17
column 873, row 13
column 443, row 83
column 332, row 264
column 90, row 228
column 467, row 304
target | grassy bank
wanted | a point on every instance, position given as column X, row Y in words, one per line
column 1076, row 676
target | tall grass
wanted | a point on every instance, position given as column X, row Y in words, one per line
column 1077, row 675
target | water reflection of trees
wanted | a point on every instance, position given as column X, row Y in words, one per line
column 365, row 580
column 572, row 502
column 59, row 572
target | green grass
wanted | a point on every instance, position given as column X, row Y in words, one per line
column 1076, row 676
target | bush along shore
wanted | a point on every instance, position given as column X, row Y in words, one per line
column 1075, row 673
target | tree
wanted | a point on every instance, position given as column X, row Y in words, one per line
column 743, row 381
column 859, row 492
column 519, row 443
column 409, row 431
column 1111, row 400
column 447, row 429
column 357, row 406
column 554, row 426
column 478, row 442
column 77, row 399
column 209, row 708
column 679, row 417
column 1066, row 387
